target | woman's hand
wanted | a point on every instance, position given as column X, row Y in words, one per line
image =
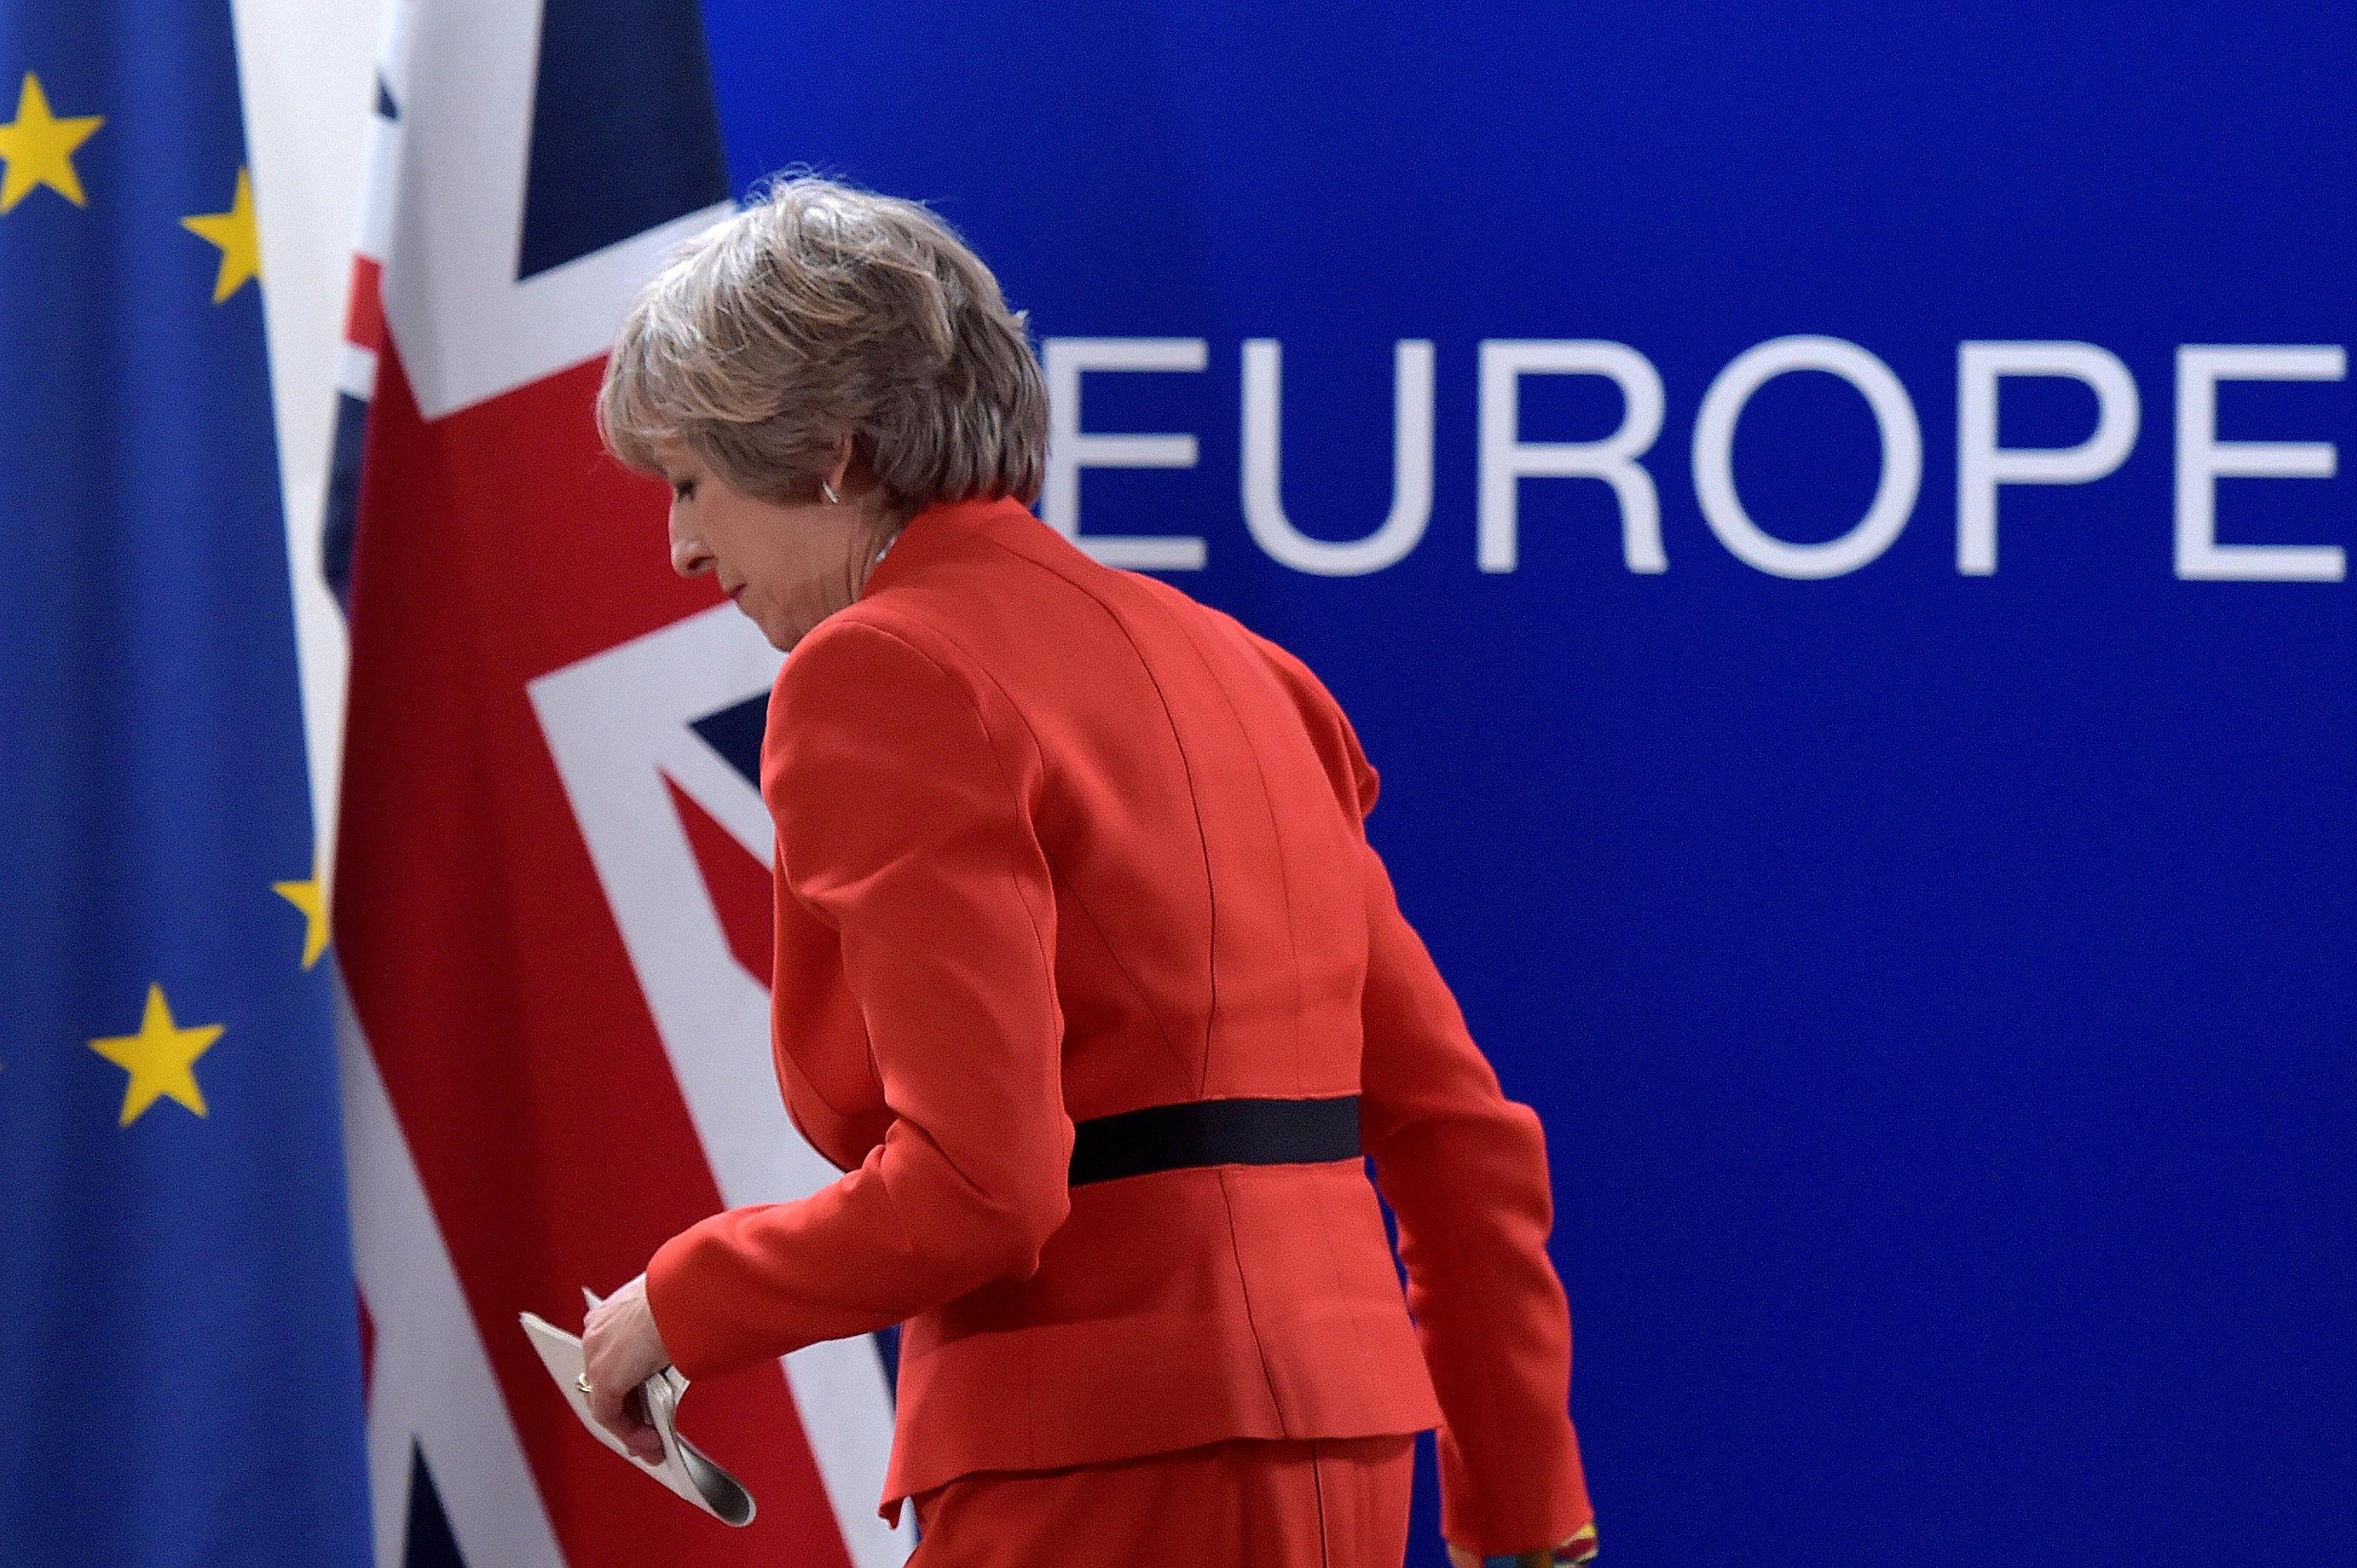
column 620, row 1351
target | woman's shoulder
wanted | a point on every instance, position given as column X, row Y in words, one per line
column 870, row 698
column 870, row 650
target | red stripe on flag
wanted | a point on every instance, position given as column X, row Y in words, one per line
column 364, row 316
column 495, row 546
column 740, row 885
column 368, row 1342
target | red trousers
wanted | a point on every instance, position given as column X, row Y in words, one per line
column 1335, row 1502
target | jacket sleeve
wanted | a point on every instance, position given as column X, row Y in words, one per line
column 1465, row 1172
column 904, row 823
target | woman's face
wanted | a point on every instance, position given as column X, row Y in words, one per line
column 786, row 565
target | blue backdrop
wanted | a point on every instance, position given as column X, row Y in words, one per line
column 1937, row 985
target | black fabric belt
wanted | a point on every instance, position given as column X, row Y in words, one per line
column 1214, row 1133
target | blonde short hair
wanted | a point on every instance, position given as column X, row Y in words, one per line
column 819, row 312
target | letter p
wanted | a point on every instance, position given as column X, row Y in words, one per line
column 1982, row 464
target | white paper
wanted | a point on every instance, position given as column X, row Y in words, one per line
column 684, row 1468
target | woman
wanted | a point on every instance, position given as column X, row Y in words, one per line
column 1085, row 975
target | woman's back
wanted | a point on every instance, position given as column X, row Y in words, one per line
column 1211, row 943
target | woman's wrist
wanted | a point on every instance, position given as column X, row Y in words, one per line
column 1579, row 1547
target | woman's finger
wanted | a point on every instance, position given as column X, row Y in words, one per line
column 637, row 1432
column 605, row 1409
column 624, row 1415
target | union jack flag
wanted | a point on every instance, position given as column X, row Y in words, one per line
column 552, row 888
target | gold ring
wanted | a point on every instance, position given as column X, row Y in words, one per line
column 581, row 1381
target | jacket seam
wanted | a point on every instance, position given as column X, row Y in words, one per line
column 1194, row 800
column 1277, row 834
column 1251, row 1320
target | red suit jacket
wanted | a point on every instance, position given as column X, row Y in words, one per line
column 1056, row 841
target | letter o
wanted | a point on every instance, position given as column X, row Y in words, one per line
column 1714, row 456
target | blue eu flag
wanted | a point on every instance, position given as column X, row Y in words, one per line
column 178, row 1329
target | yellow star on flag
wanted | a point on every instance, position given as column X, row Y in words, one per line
column 161, row 1058
column 234, row 232
column 311, row 898
column 37, row 147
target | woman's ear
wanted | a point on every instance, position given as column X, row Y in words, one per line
column 839, row 470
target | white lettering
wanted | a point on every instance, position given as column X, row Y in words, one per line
column 1982, row 464
column 1714, row 456
column 2203, row 459
column 1506, row 458
column 1411, row 467
column 1069, row 449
